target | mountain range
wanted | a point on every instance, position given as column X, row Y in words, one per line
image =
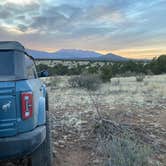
column 73, row 54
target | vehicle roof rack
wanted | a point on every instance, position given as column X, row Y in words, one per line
column 13, row 45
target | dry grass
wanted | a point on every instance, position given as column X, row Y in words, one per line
column 124, row 100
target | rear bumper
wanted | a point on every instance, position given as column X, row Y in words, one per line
column 22, row 144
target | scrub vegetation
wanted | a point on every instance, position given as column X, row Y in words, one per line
column 105, row 113
column 106, row 70
column 117, row 123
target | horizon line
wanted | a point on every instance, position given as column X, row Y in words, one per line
column 103, row 52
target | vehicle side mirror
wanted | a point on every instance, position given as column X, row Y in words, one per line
column 43, row 73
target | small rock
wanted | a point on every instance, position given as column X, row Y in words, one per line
column 162, row 129
column 152, row 136
column 75, row 140
column 65, row 137
column 142, row 120
column 156, row 125
column 92, row 154
column 81, row 122
column 56, row 144
column 61, row 146
column 61, row 142
column 96, row 161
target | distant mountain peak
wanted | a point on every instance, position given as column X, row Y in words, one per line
column 75, row 54
column 76, row 50
column 115, row 57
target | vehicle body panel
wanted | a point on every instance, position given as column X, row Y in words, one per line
column 35, row 86
column 8, row 114
column 22, row 144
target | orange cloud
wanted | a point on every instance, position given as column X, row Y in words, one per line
column 136, row 53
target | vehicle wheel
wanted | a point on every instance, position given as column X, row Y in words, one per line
column 43, row 155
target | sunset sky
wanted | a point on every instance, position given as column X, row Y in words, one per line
column 131, row 28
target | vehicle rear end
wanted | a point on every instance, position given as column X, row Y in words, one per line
column 8, row 110
column 22, row 104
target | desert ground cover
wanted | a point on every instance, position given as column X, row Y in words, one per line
column 96, row 128
column 75, row 112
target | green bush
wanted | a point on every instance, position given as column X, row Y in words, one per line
column 140, row 77
column 107, row 69
column 106, row 73
column 89, row 82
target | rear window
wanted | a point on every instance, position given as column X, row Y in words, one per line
column 7, row 67
column 12, row 65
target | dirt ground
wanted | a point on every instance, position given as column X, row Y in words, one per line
column 125, row 101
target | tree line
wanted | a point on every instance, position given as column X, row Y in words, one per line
column 108, row 69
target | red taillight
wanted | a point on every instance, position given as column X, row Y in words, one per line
column 27, row 104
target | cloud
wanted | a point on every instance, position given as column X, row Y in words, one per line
column 18, row 16
column 21, row 2
column 97, row 24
